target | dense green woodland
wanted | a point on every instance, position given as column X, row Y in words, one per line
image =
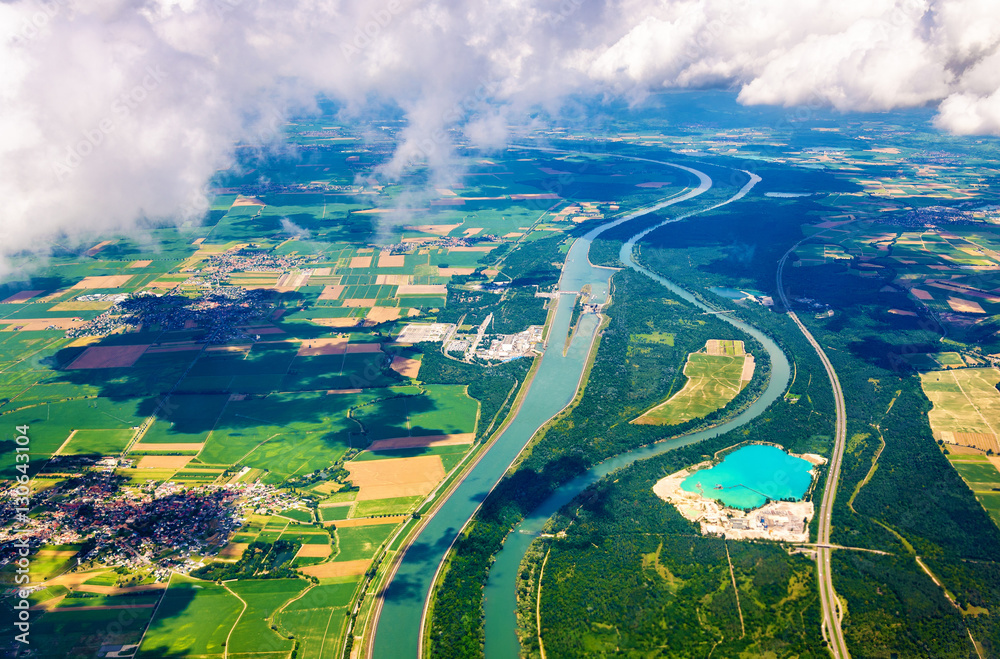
column 619, row 523
column 915, row 502
column 672, row 592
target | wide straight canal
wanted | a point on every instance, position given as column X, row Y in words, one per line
column 500, row 605
column 398, row 629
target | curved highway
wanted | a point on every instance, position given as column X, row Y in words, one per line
column 831, row 610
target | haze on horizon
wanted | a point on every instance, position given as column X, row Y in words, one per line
column 115, row 111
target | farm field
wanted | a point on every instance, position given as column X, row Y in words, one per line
column 252, row 634
column 70, row 631
column 193, row 619
column 714, row 377
column 317, row 619
column 966, row 406
column 982, row 474
column 360, row 542
column 239, row 367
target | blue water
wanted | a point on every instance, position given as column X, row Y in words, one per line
column 733, row 293
column 751, row 475
column 501, row 600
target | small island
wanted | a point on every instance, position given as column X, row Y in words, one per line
column 754, row 492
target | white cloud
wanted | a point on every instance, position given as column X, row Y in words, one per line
column 112, row 110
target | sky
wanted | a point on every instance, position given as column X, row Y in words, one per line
column 117, row 111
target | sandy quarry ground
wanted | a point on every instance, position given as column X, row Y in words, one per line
column 779, row 521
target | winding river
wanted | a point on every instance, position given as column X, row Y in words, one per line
column 500, row 605
column 399, row 628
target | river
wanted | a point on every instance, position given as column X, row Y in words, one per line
column 500, row 605
column 398, row 630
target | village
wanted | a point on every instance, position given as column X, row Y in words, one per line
column 149, row 530
column 221, row 310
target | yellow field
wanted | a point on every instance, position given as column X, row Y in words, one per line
column 714, row 377
column 398, row 477
column 966, row 406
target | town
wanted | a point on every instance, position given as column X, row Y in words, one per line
column 145, row 531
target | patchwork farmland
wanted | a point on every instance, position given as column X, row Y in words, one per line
column 244, row 382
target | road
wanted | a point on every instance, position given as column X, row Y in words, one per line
column 830, row 605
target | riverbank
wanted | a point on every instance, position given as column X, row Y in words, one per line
column 401, row 618
column 500, row 620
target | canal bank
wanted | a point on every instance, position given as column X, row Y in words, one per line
column 500, row 603
column 400, row 618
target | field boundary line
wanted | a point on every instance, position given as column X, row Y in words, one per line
column 225, row 653
column 538, row 604
column 948, row 596
column 152, row 616
column 736, row 591
column 971, row 402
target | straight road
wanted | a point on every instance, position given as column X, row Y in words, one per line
column 832, row 631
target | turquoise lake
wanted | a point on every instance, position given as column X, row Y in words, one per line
column 750, row 475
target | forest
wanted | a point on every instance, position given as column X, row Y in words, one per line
column 671, row 587
column 914, row 503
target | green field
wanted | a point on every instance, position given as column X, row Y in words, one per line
column 991, row 502
column 935, row 360
column 108, row 578
column 60, row 419
column 334, row 513
column 298, row 514
column 263, row 598
column 194, row 618
column 342, row 497
column 99, row 442
column 313, row 538
column 394, row 506
column 983, row 478
column 72, row 633
column 450, row 455
column 437, row 410
column 979, row 476
column 712, row 381
column 44, row 564
column 317, row 619
column 285, row 433
column 664, row 338
column 358, row 542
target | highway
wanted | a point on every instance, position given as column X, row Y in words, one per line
column 830, row 605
